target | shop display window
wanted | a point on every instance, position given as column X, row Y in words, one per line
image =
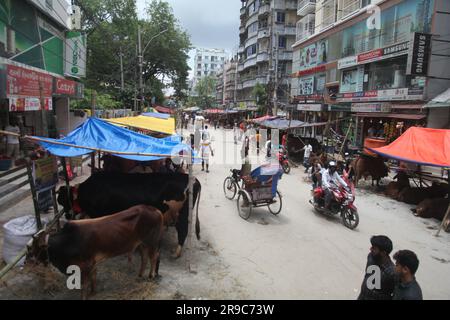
column 387, row 74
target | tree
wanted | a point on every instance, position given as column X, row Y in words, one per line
column 261, row 97
column 112, row 27
column 206, row 88
column 103, row 101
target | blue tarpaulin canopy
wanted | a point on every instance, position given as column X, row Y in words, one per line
column 282, row 124
column 99, row 134
column 157, row 115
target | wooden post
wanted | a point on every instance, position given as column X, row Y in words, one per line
column 447, row 214
column 66, row 178
column 93, row 102
column 345, row 139
column 190, row 215
column 55, row 207
column 34, row 194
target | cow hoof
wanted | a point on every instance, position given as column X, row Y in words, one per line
column 177, row 253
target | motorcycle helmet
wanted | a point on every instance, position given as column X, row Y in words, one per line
column 332, row 164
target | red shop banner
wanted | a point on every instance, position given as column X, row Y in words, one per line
column 29, row 104
column 65, row 87
column 25, row 82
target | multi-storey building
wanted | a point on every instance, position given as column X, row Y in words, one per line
column 267, row 33
column 41, row 59
column 372, row 64
column 226, row 84
column 208, row 62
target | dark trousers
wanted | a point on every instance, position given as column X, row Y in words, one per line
column 328, row 197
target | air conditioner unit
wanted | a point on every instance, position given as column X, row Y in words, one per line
column 75, row 18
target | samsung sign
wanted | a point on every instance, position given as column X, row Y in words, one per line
column 419, row 54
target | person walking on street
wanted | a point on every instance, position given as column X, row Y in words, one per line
column 308, row 149
column 13, row 144
column 258, row 139
column 406, row 265
column 206, row 150
column 379, row 278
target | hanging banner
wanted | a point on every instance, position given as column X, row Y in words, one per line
column 419, row 54
column 75, row 64
column 29, row 104
column 45, row 173
column 26, row 82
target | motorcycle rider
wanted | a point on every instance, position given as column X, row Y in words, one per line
column 330, row 179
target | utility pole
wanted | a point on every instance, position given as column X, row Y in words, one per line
column 44, row 121
column 275, row 97
column 140, row 57
column 93, row 103
column 122, row 85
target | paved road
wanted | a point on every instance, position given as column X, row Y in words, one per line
column 303, row 255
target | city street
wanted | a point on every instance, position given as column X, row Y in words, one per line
column 296, row 255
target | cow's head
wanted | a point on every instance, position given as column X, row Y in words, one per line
column 38, row 249
column 63, row 198
column 173, row 197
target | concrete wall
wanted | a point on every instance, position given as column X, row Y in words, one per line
column 439, row 118
column 62, row 115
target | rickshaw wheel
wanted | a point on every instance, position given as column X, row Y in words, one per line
column 229, row 188
column 276, row 205
column 244, row 205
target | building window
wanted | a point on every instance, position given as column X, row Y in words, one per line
column 199, row 66
column 199, row 58
column 281, row 17
column 205, row 66
column 213, row 66
column 251, row 50
column 199, row 73
column 206, row 57
column 223, row 59
column 388, row 74
column 253, row 28
column 282, row 42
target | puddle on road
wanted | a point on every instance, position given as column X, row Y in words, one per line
column 440, row 259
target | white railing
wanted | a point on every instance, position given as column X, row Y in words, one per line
column 348, row 7
column 306, row 6
column 305, row 27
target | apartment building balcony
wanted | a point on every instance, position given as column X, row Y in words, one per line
column 243, row 11
column 285, row 30
column 264, row 9
column 285, row 55
column 241, row 30
column 248, row 83
column 241, row 49
column 305, row 27
column 305, row 7
column 263, row 33
column 250, row 62
column 348, row 7
column 240, row 67
column 262, row 57
column 262, row 79
column 291, row 5
column 239, row 86
column 329, row 15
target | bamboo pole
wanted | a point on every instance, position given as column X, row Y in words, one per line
column 96, row 149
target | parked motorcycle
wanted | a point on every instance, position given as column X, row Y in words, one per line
column 342, row 202
column 284, row 161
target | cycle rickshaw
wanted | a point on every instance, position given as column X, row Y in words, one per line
column 259, row 189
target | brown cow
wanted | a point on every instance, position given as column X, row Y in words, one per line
column 86, row 243
column 413, row 195
column 366, row 166
column 394, row 188
column 432, row 208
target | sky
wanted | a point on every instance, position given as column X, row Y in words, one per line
column 210, row 23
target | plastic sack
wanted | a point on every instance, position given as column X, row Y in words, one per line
column 17, row 233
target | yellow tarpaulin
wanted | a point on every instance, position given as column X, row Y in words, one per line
column 166, row 126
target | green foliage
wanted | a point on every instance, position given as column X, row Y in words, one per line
column 205, row 88
column 103, row 101
column 112, row 27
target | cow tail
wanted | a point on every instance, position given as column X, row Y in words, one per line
column 197, row 222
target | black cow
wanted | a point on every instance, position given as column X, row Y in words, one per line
column 107, row 193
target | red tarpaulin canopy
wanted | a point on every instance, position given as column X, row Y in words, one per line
column 420, row 145
column 264, row 118
column 163, row 109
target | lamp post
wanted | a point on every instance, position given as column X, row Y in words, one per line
column 141, row 61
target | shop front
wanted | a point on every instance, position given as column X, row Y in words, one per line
column 34, row 100
column 385, row 121
column 311, row 113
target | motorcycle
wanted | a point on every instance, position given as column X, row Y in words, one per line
column 342, row 202
column 284, row 161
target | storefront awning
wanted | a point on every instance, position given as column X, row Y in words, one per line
column 166, row 126
column 441, row 101
column 423, row 146
column 391, row 115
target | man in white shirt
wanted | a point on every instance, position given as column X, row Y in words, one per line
column 331, row 179
column 205, row 134
column 13, row 145
column 308, row 149
column 206, row 150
